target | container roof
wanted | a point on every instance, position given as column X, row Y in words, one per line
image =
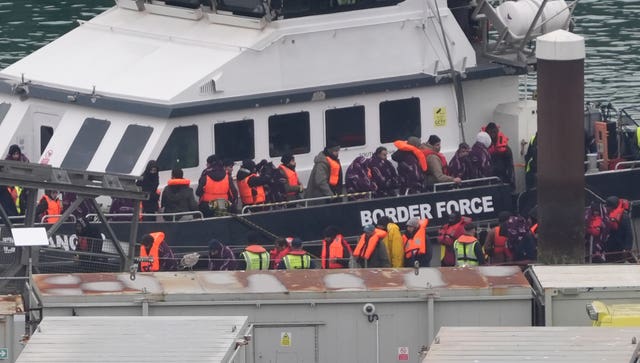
column 135, row 339
column 613, row 276
column 11, row 305
column 283, row 285
column 533, row 344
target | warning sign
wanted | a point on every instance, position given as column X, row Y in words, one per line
column 403, row 353
column 439, row 116
column 285, row 339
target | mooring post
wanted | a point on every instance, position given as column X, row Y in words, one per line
column 561, row 147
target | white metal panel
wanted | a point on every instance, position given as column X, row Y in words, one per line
column 533, row 344
column 618, row 276
column 134, row 339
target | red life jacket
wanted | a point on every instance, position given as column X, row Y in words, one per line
column 499, row 242
column 418, row 243
column 335, row 252
column 54, row 208
column 615, row 216
column 594, row 226
column 366, row 246
column 334, row 173
column 292, row 177
column 443, row 160
column 405, row 146
column 246, row 192
column 501, row 143
column 215, row 189
column 158, row 237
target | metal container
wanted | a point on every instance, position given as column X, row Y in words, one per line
column 310, row 315
column 563, row 292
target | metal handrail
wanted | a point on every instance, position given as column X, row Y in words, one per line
column 468, row 181
column 71, row 218
column 198, row 214
column 305, row 202
column 625, row 163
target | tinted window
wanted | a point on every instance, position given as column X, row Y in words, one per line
column 46, row 133
column 181, row 150
column 85, row 144
column 128, row 151
column 345, row 126
column 399, row 119
column 4, row 109
column 289, row 134
column 234, row 140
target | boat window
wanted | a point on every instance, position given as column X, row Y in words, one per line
column 399, row 119
column 345, row 126
column 181, row 150
column 234, row 140
column 46, row 133
column 4, row 109
column 129, row 148
column 289, row 133
column 85, row 144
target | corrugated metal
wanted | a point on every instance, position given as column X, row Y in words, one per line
column 534, row 344
column 11, row 305
column 134, row 339
column 483, row 281
column 623, row 276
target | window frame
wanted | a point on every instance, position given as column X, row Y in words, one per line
column 290, row 117
column 341, row 121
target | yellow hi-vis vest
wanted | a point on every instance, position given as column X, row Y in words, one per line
column 465, row 251
column 297, row 261
column 256, row 260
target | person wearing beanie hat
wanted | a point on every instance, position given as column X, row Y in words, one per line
column 412, row 165
column 417, row 250
column 481, row 165
column 297, row 258
column 393, row 241
column 436, row 164
column 16, row 154
column 251, row 184
column 468, row 249
column 369, row 251
column 216, row 190
column 336, row 252
column 221, row 257
column 290, row 181
column 325, row 179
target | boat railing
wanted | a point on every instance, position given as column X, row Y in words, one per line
column 46, row 219
column 631, row 163
column 305, row 202
column 482, row 181
column 179, row 216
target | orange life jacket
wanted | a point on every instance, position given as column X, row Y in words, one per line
column 405, row 146
column 14, row 193
column 246, row 192
column 158, row 237
column 179, row 181
column 501, row 143
column 534, row 228
column 418, row 243
column 292, row 177
column 499, row 242
column 336, row 252
column 365, row 246
column 594, row 226
column 215, row 189
column 443, row 160
column 615, row 216
column 334, row 173
column 255, row 249
column 54, row 208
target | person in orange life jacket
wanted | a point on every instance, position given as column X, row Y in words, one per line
column 416, row 246
column 50, row 205
column 618, row 222
column 290, row 181
column 149, row 182
column 468, row 249
column 393, row 242
column 177, row 196
column 448, row 235
column 370, row 251
column 501, row 155
column 297, row 258
column 335, row 249
column 436, row 163
column 251, row 185
column 153, row 245
column 228, row 165
column 214, row 185
column 595, row 233
column 412, row 165
column 496, row 243
column 325, row 179
column 281, row 247
column 8, row 201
